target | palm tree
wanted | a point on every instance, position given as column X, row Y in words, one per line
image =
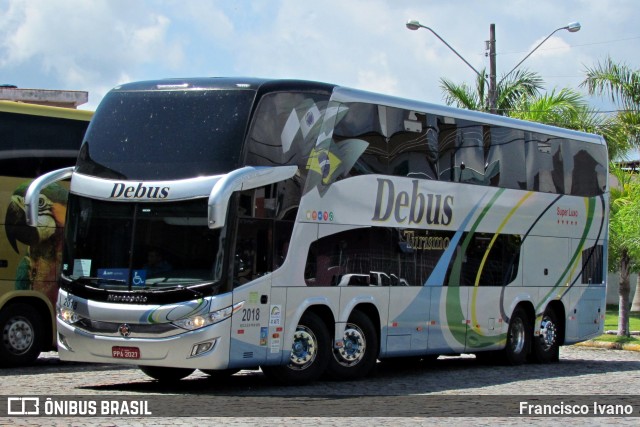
column 509, row 91
column 622, row 84
column 623, row 242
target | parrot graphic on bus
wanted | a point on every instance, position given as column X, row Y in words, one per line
column 37, row 270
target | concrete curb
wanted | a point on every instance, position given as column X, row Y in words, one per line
column 609, row 345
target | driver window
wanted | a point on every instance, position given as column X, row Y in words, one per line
column 265, row 224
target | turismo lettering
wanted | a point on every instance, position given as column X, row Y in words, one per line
column 426, row 243
column 141, row 191
column 414, row 207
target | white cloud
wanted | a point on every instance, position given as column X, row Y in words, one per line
column 554, row 46
column 84, row 45
column 95, row 45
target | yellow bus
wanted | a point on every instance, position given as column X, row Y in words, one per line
column 34, row 139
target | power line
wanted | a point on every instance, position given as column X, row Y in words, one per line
column 575, row 45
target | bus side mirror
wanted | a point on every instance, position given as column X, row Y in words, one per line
column 32, row 197
column 241, row 179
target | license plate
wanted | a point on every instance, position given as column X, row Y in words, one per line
column 125, row 352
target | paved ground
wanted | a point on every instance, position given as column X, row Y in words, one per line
column 448, row 386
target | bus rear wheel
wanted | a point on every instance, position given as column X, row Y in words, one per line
column 518, row 338
column 21, row 328
column 357, row 353
column 546, row 346
column 309, row 353
column 166, row 374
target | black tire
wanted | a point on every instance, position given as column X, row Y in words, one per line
column 22, row 335
column 518, row 338
column 166, row 374
column 309, row 354
column 359, row 352
column 220, row 374
column 546, row 346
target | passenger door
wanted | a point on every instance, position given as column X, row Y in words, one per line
column 252, row 286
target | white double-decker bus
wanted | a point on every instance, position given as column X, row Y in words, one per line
column 305, row 228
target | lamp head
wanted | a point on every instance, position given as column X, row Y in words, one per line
column 573, row 27
column 412, row 24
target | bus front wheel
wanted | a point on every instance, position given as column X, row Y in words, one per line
column 309, row 353
column 21, row 330
column 165, row 374
column 356, row 355
column 518, row 338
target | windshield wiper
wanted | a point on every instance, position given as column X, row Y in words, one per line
column 100, row 281
column 197, row 294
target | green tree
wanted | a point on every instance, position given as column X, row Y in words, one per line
column 624, row 238
column 621, row 84
column 509, row 91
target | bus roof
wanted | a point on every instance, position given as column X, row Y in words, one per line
column 212, row 83
column 44, row 110
column 345, row 94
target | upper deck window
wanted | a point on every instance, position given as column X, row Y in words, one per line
column 166, row 135
column 391, row 141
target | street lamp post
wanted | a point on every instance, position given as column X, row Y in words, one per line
column 572, row 28
column 493, row 86
column 415, row 25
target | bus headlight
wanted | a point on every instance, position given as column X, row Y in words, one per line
column 68, row 316
column 202, row 320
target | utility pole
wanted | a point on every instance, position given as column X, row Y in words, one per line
column 492, row 70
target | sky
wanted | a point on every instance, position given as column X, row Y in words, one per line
column 94, row 45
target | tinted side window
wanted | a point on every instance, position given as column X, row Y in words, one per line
column 586, row 169
column 375, row 256
column 505, row 164
column 489, row 260
column 392, row 141
column 592, row 265
column 545, row 168
column 33, row 145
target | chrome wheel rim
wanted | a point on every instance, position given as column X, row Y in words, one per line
column 18, row 334
column 304, row 349
column 548, row 333
column 517, row 336
column 354, row 346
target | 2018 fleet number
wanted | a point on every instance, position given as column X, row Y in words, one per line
column 250, row 314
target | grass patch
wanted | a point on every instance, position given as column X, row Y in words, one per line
column 634, row 339
column 611, row 324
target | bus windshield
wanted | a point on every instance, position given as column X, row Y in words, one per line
column 167, row 135
column 120, row 246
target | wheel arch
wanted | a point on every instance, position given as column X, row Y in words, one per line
column 529, row 310
column 323, row 312
column 371, row 311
